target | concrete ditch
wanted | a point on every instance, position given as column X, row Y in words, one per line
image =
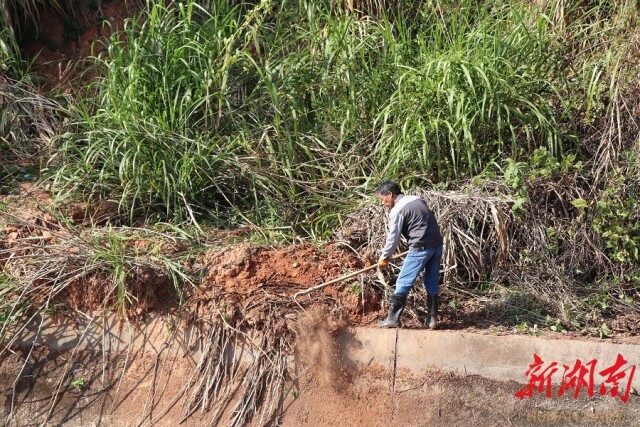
column 377, row 377
column 502, row 358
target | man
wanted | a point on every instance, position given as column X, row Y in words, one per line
column 411, row 217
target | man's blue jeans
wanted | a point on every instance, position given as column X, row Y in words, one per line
column 416, row 261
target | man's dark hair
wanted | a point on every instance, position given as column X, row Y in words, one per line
column 389, row 186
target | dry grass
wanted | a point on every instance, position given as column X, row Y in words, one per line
column 29, row 125
column 526, row 267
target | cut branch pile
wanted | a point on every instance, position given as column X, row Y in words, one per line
column 525, row 267
column 474, row 228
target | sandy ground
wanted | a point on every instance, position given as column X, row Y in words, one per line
column 441, row 399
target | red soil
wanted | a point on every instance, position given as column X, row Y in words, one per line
column 255, row 279
column 57, row 56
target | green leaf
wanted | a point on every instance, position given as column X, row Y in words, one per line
column 580, row 203
column 605, row 331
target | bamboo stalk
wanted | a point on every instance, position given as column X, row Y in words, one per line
column 345, row 277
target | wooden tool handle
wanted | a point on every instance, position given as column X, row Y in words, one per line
column 345, row 277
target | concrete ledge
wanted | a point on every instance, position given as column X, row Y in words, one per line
column 504, row 358
column 501, row 358
column 108, row 333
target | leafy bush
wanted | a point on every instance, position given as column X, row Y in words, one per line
column 617, row 219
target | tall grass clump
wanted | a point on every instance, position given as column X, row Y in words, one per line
column 192, row 117
column 277, row 112
column 9, row 54
column 483, row 81
column 152, row 137
column 601, row 52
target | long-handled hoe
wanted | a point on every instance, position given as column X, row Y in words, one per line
column 345, row 277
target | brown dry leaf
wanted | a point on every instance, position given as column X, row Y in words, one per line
column 10, row 229
column 11, row 237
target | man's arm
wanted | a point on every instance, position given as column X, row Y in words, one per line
column 393, row 236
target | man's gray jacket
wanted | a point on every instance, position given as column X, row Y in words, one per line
column 411, row 217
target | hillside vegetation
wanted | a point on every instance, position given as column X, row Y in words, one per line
column 284, row 114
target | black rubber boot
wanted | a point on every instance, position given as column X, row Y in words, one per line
column 396, row 306
column 432, row 311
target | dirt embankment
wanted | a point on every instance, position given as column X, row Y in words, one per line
column 253, row 356
column 253, row 277
column 60, row 38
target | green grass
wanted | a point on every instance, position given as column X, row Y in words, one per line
column 282, row 113
column 479, row 85
column 9, row 56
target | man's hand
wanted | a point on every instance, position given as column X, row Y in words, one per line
column 383, row 263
